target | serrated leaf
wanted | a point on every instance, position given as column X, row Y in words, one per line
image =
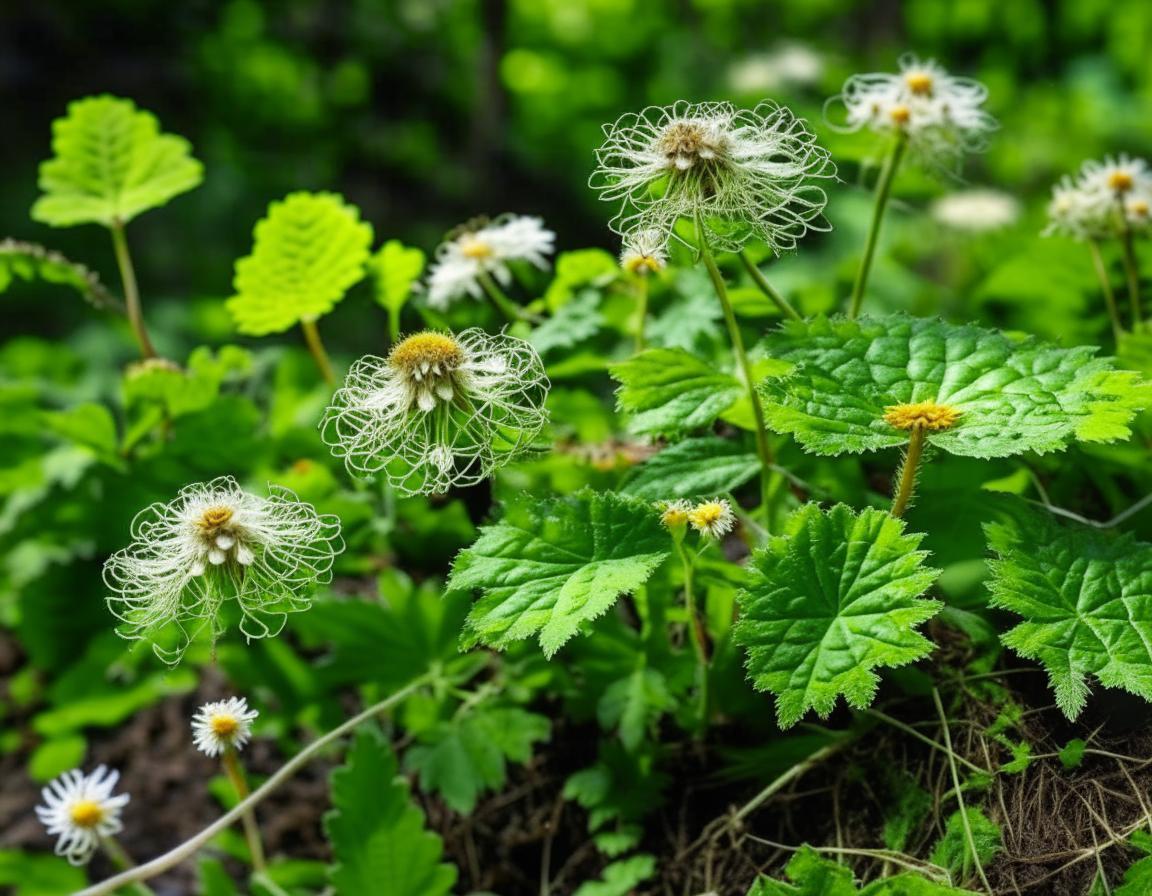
column 549, row 566
column 462, row 758
column 813, row 875
column 111, row 163
column 634, row 704
column 694, row 468
column 1086, row 601
column 309, row 250
column 377, row 834
column 575, row 321
column 833, row 598
column 30, row 261
column 1013, row 396
column 620, row 878
column 953, row 850
column 668, row 391
column 396, row 268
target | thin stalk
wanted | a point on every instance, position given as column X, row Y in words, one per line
column 1132, row 273
column 883, row 189
column 191, row 846
column 500, row 298
column 131, row 289
column 785, row 779
column 959, row 796
column 696, row 632
column 393, row 325
column 316, row 348
column 1106, row 288
column 235, row 773
column 908, row 472
column 641, row 309
column 767, row 493
column 768, row 289
column 122, row 861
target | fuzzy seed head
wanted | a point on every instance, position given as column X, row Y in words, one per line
column 923, row 415
column 684, row 144
column 426, row 351
column 712, row 519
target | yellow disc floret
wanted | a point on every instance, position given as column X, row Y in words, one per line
column 923, row 415
column 86, row 813
column 642, row 264
column 224, row 726
column 675, row 513
column 1120, row 181
column 920, row 83
column 427, row 351
column 900, row 114
column 476, row 249
column 215, row 517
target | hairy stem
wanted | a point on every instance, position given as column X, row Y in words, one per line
column 1106, row 288
column 641, row 309
column 499, row 298
column 883, row 189
column 908, row 472
column 1132, row 273
column 768, row 289
column 131, row 290
column 316, row 349
column 191, row 846
column 235, row 773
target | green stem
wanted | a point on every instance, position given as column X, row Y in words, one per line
column 316, row 349
column 883, row 189
column 785, row 779
column 696, row 633
column 235, row 774
column 499, row 298
column 131, row 289
column 191, row 846
column 767, row 492
column 768, row 289
column 393, row 325
column 1132, row 273
column 641, row 309
column 1106, row 287
column 908, row 472
column 123, row 862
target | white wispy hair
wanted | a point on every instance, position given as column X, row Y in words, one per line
column 80, row 811
column 940, row 115
column 744, row 174
column 486, row 247
column 215, row 541
column 440, row 410
column 976, row 211
column 223, row 724
column 644, row 252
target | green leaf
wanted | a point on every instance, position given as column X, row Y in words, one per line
column 620, row 878
column 669, row 390
column 56, row 756
column 214, row 879
column 38, row 875
column 1013, row 396
column 111, row 163
column 694, row 468
column 552, row 565
column 582, row 267
column 396, row 268
column 833, row 598
column 1137, row 879
column 813, row 875
column 1072, row 753
column 953, row 850
column 575, row 321
column 1085, row 600
column 309, row 250
column 377, row 834
column 634, row 704
column 89, row 425
column 465, row 756
column 30, row 261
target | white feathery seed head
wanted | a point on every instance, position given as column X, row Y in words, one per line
column 486, row 247
column 744, row 174
column 80, row 810
column 215, row 541
column 223, row 725
column 440, row 410
column 1106, row 199
column 712, row 519
column 976, row 211
column 941, row 116
column 644, row 252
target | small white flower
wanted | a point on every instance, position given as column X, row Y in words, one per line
column 1072, row 212
column 486, row 248
column 744, row 174
column 644, row 252
column 224, row 724
column 787, row 65
column 941, row 116
column 713, row 519
column 212, row 542
column 81, row 810
column 674, row 513
column 440, row 410
column 1115, row 179
column 976, row 211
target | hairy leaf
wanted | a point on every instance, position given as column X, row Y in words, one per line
column 30, row 261
column 377, row 834
column 1086, row 599
column 1012, row 396
column 309, row 250
column 833, row 598
column 693, row 468
column 396, row 268
column 111, row 163
column 953, row 850
column 550, row 566
column 668, row 391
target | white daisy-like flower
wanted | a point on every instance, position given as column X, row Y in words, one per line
column 976, row 211
column 713, row 519
column 440, row 410
column 215, row 541
column 486, row 247
column 81, row 810
column 223, row 725
column 644, row 252
column 1113, row 181
column 941, row 116
column 744, row 174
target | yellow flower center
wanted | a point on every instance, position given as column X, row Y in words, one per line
column 478, row 250
column 1120, row 181
column 1138, row 207
column 674, row 516
column 900, row 114
column 215, row 517
column 86, row 813
column 426, row 351
column 920, row 83
column 641, row 264
column 224, row 726
column 922, row 415
column 707, row 514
